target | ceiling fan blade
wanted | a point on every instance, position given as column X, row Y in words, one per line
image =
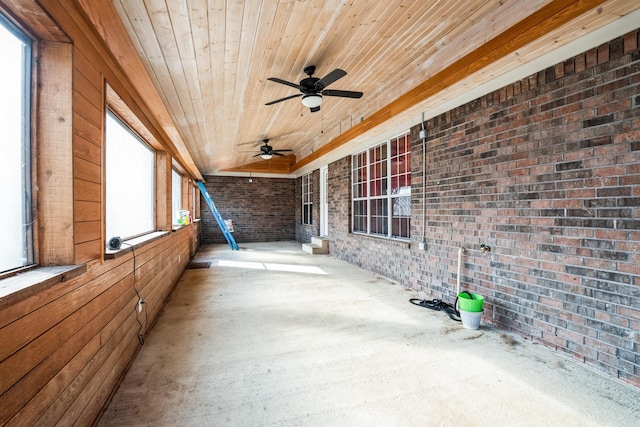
column 330, row 78
column 314, row 109
column 342, row 93
column 286, row 149
column 275, row 153
column 283, row 99
column 259, row 154
column 284, row 82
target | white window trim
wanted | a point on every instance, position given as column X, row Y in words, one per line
column 388, row 196
column 307, row 198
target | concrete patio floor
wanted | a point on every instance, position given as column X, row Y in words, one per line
column 272, row 336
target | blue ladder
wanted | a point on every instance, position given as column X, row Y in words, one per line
column 219, row 220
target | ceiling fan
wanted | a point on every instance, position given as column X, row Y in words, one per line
column 267, row 151
column 313, row 89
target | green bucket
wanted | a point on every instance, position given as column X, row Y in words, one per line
column 470, row 302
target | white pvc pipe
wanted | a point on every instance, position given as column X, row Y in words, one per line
column 460, row 251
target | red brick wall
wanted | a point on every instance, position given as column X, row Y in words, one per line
column 545, row 171
column 261, row 211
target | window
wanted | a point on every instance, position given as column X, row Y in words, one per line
column 381, row 189
column 129, row 164
column 176, row 195
column 15, row 162
column 307, row 200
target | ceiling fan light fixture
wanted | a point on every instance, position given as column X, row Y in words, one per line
column 266, row 156
column 312, row 100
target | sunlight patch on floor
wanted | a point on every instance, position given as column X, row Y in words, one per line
column 293, row 268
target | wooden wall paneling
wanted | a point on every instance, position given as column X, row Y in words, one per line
column 54, row 154
column 22, row 308
column 87, row 191
column 48, row 353
column 154, row 299
column 87, row 171
column 195, row 232
column 84, row 145
column 157, row 272
column 19, row 333
column 88, row 160
column 185, row 192
column 88, row 251
column 158, row 294
column 90, row 401
column 88, row 211
column 107, row 343
column 62, row 381
column 87, row 231
column 87, row 68
column 86, row 89
column 163, row 191
column 197, row 212
column 88, row 110
column 88, row 157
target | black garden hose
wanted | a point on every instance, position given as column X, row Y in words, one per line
column 437, row 305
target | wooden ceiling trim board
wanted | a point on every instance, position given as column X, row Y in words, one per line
column 546, row 19
column 115, row 43
column 586, row 23
column 279, row 165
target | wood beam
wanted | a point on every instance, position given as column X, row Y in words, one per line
column 278, row 165
column 547, row 19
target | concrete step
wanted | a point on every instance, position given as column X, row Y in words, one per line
column 318, row 245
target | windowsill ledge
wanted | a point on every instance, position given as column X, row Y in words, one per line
column 395, row 240
column 132, row 244
column 23, row 285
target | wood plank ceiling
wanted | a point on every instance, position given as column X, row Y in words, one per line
column 210, row 60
